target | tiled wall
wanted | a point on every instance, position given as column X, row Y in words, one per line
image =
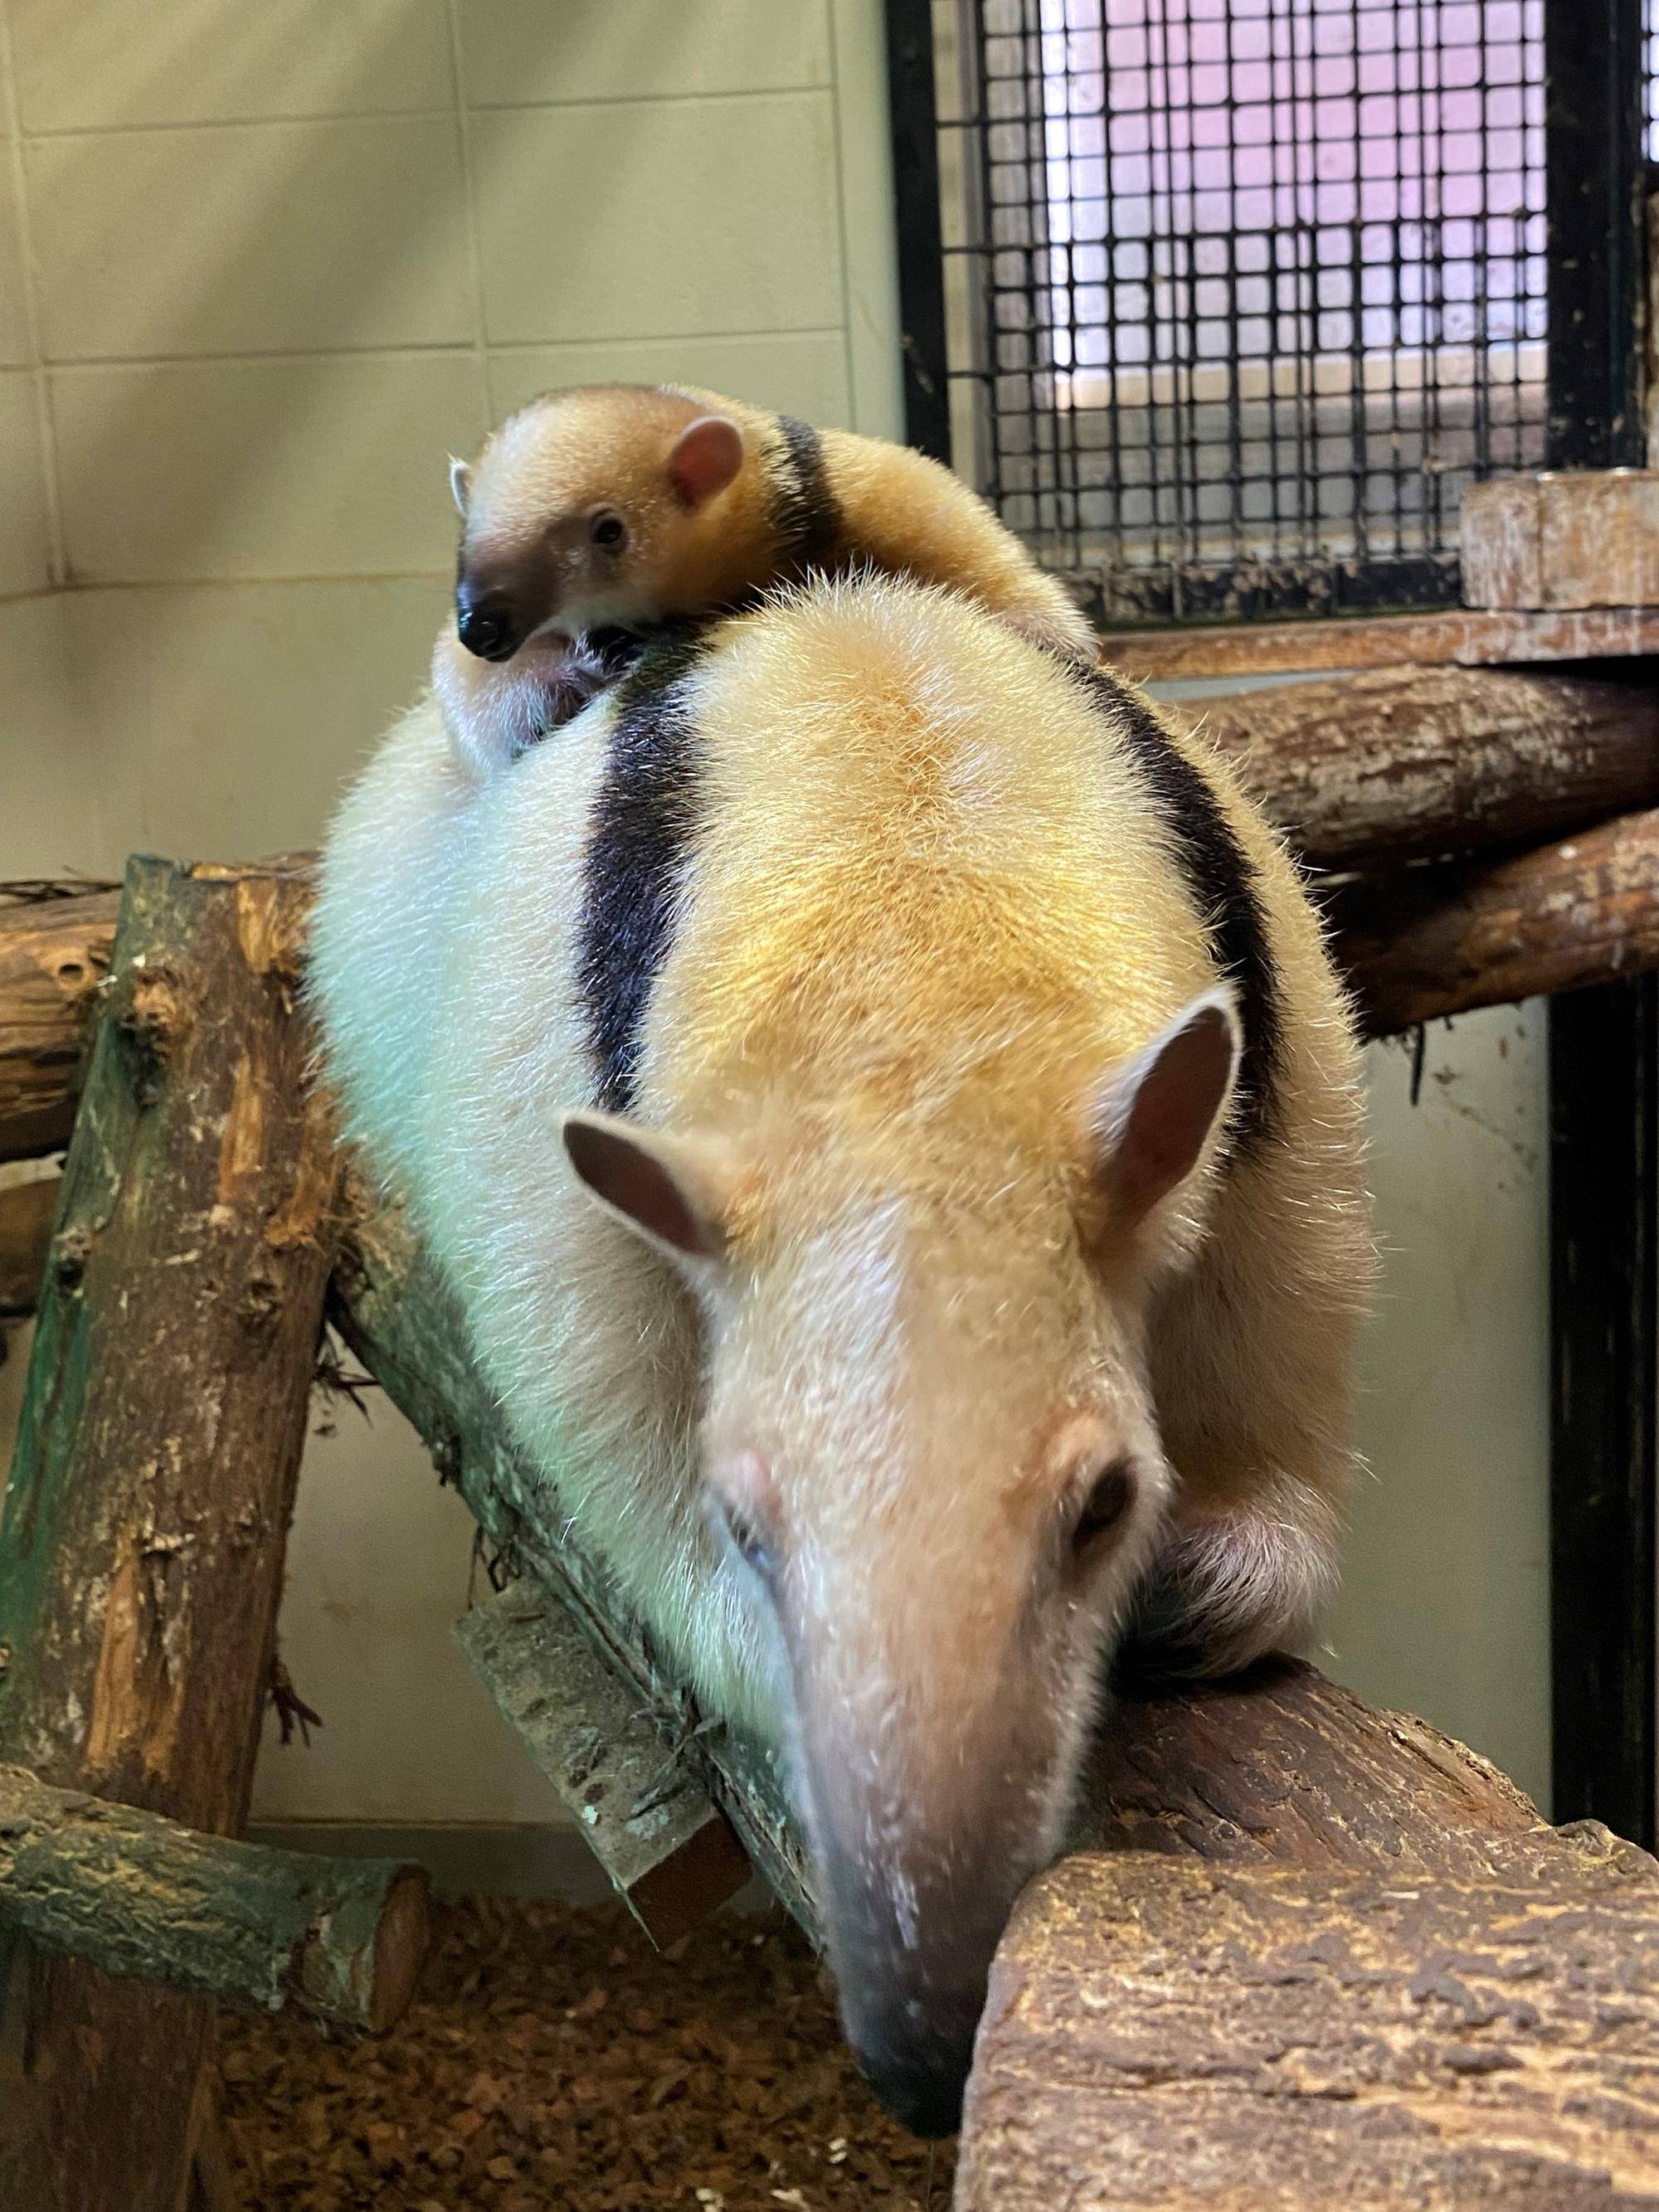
column 262, row 268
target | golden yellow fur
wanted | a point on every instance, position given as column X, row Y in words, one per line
column 555, row 461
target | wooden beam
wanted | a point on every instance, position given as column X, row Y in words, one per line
column 672, row 1856
column 1334, row 1956
column 53, row 955
column 141, row 1548
column 337, row 1941
column 1435, row 941
column 1365, row 772
column 1321, row 2040
column 1564, row 539
column 1283, row 1767
column 398, row 1319
column 1451, row 636
column 1402, row 764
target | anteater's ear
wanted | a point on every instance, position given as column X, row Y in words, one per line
column 1152, row 1116
column 461, row 484
column 706, row 456
column 672, row 1191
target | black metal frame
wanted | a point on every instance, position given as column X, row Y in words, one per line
column 1603, row 1044
column 913, row 105
column 1120, row 495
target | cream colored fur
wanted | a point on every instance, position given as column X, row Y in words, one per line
column 932, row 908
column 930, row 933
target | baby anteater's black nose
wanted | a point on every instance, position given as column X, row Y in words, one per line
column 487, row 625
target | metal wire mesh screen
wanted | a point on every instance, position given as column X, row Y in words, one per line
column 1242, row 292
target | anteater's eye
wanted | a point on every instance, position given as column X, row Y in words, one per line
column 1107, row 1503
column 749, row 1541
column 608, row 529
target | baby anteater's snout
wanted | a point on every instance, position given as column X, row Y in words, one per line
column 487, row 623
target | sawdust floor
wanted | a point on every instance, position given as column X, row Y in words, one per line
column 552, row 2059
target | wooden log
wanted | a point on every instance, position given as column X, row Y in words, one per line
column 1589, row 538
column 27, row 1213
column 1444, row 940
column 671, row 1855
column 53, row 955
column 1332, row 1957
column 1424, row 942
column 1283, row 1767
column 1397, row 764
column 339, row 1941
column 1161, row 2035
column 141, row 1547
column 1459, row 636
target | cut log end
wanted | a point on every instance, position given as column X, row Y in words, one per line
column 145, row 1899
column 356, row 1967
column 400, row 1947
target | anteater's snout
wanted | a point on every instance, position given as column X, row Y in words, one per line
column 910, row 2002
column 919, row 2075
column 487, row 624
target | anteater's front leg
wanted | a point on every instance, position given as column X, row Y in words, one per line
column 1234, row 1583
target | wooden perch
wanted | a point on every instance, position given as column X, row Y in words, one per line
column 53, row 955
column 389, row 1307
column 1583, row 538
column 1444, row 940
column 1347, row 1965
column 1396, row 764
column 671, row 1856
column 1366, row 771
column 340, row 1941
column 141, row 1549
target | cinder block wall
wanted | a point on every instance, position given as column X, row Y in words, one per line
column 260, row 268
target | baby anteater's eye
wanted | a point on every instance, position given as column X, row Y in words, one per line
column 608, row 529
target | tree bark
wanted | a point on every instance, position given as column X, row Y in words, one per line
column 1395, row 764
column 670, row 1853
column 53, row 955
column 1282, row 1766
column 142, row 1544
column 1331, row 1956
column 1161, row 2035
column 1445, row 941
column 143, row 1898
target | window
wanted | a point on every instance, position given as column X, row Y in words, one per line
column 1242, row 292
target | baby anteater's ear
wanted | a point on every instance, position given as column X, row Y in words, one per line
column 706, row 457
column 460, row 484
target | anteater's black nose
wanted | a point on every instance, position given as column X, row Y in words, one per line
column 487, row 625
column 921, row 2088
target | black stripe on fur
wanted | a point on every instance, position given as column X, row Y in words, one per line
column 806, row 514
column 645, row 816
column 1221, row 880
